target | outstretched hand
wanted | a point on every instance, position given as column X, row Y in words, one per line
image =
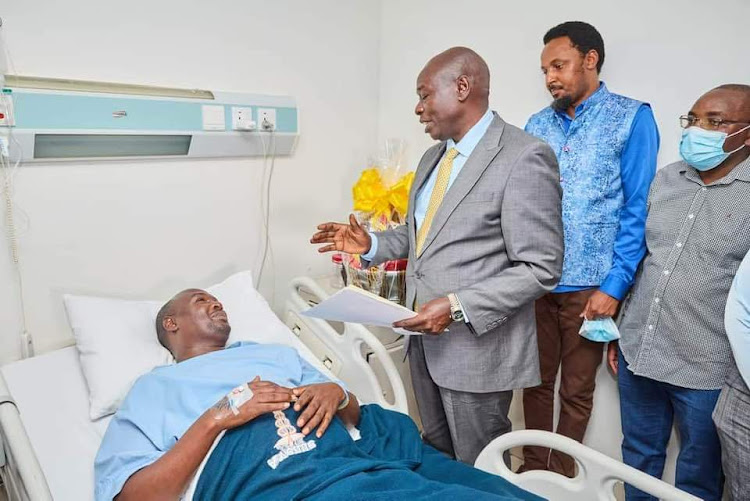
column 350, row 238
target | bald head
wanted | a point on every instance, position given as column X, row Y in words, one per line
column 453, row 90
column 161, row 332
column 462, row 61
column 727, row 102
column 192, row 323
column 738, row 92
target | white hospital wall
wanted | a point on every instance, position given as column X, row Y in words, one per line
column 140, row 228
column 663, row 52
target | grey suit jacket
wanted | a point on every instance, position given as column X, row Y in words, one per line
column 497, row 243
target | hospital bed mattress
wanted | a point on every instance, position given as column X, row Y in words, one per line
column 52, row 398
column 51, row 395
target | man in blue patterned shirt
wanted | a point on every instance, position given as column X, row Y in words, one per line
column 606, row 145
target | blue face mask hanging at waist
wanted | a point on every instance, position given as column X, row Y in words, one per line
column 602, row 330
column 704, row 149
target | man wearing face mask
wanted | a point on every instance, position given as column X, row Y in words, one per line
column 606, row 145
column 675, row 354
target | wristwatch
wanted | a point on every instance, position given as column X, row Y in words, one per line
column 457, row 313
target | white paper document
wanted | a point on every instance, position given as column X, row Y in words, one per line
column 355, row 305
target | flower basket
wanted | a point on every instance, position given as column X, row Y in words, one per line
column 381, row 197
column 387, row 280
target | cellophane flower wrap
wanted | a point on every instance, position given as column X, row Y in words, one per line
column 381, row 199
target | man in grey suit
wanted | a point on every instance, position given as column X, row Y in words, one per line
column 484, row 240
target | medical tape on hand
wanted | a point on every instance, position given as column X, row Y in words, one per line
column 239, row 396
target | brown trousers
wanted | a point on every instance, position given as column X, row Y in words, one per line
column 560, row 346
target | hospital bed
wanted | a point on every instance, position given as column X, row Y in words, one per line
column 49, row 442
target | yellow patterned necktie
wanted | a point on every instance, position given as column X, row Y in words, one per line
column 438, row 192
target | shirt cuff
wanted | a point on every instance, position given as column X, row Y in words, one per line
column 460, row 305
column 344, row 402
column 373, row 247
column 615, row 287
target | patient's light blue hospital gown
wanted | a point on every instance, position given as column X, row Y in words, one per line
column 268, row 458
column 164, row 403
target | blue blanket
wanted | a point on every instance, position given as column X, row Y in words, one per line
column 268, row 459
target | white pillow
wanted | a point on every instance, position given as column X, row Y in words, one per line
column 116, row 338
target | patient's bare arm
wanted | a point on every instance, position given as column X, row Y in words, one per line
column 321, row 403
column 168, row 477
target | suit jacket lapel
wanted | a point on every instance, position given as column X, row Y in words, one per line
column 472, row 170
column 420, row 177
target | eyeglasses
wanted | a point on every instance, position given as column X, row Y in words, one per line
column 708, row 123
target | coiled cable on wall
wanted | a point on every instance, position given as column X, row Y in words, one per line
column 9, row 169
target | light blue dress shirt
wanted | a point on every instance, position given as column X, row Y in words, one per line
column 465, row 147
column 737, row 319
column 164, row 403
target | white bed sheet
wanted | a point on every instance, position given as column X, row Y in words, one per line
column 52, row 398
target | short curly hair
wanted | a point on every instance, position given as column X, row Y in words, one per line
column 583, row 36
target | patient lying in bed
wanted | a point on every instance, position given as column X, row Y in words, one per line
column 289, row 441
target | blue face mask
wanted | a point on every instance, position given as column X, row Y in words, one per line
column 602, row 330
column 704, row 149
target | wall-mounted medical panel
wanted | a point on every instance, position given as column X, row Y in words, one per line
column 64, row 124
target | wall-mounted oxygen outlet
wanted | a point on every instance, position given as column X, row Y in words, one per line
column 6, row 111
column 267, row 119
column 242, row 118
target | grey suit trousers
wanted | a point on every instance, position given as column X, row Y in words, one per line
column 732, row 419
column 459, row 423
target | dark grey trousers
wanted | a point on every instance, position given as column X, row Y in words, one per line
column 732, row 419
column 458, row 423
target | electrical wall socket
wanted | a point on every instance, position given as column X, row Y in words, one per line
column 242, row 118
column 267, row 118
column 6, row 111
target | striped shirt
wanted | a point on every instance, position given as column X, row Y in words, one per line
column 672, row 324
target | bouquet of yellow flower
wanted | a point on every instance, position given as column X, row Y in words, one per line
column 381, row 206
column 381, row 198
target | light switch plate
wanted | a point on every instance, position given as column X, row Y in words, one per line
column 213, row 118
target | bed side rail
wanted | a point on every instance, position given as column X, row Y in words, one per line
column 342, row 353
column 597, row 472
column 22, row 475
